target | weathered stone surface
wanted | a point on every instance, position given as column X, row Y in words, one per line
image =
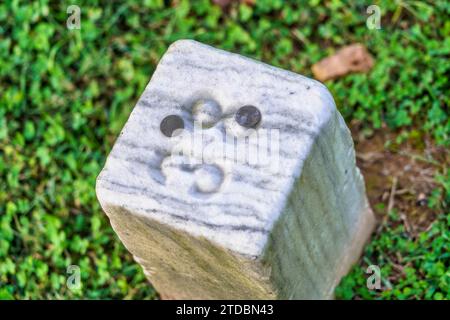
column 204, row 224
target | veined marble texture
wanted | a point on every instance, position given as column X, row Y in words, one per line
column 207, row 222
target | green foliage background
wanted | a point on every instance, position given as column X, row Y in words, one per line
column 65, row 94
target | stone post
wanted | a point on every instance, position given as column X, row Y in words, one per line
column 233, row 179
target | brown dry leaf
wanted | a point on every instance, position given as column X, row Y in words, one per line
column 352, row 58
column 225, row 3
column 249, row 2
column 222, row 3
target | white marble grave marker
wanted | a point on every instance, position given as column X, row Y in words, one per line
column 233, row 179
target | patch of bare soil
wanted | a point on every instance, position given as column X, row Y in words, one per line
column 400, row 176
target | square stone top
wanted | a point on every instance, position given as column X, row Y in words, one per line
column 204, row 178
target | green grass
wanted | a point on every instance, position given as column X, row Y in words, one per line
column 65, row 94
column 424, row 271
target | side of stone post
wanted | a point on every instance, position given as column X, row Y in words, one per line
column 224, row 229
column 326, row 222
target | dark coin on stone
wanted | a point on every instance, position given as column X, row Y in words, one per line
column 170, row 124
column 248, row 116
